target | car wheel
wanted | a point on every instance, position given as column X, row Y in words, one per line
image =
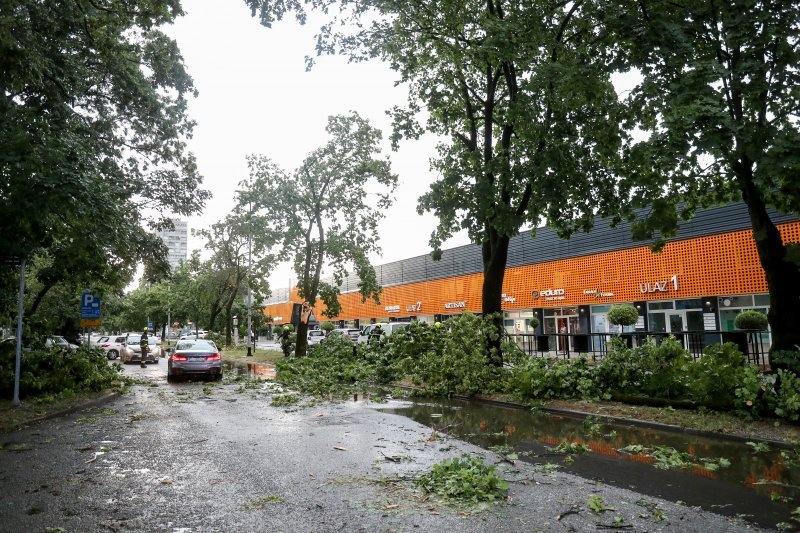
column 112, row 354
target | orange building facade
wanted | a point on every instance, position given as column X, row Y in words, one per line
column 693, row 284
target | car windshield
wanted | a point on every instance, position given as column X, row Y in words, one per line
column 152, row 341
column 134, row 339
column 316, row 333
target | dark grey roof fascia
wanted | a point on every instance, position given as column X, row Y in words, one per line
column 548, row 246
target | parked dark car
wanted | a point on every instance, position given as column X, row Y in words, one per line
column 198, row 358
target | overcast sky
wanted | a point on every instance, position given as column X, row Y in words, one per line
column 255, row 96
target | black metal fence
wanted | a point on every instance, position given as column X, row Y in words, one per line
column 752, row 343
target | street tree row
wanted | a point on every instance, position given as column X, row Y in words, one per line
column 536, row 132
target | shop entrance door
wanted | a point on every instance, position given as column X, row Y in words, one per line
column 562, row 325
column 686, row 321
column 675, row 322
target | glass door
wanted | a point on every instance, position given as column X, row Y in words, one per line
column 675, row 321
column 563, row 329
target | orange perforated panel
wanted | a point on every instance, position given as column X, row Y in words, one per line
column 281, row 313
column 707, row 266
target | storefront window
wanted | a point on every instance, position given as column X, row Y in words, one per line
column 695, row 303
column 658, row 322
column 762, row 300
column 727, row 317
column 659, row 305
column 736, row 301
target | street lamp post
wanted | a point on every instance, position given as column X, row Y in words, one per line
column 251, row 342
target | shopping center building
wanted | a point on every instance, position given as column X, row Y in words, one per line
column 700, row 280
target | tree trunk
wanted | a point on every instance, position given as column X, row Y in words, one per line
column 783, row 276
column 214, row 312
column 302, row 339
column 228, row 321
column 495, row 256
column 40, row 296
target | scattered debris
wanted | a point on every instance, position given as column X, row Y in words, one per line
column 262, row 501
column 574, row 509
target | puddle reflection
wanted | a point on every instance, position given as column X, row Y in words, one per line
column 747, row 486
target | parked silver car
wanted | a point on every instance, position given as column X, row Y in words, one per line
column 348, row 333
column 315, row 336
column 57, row 341
column 112, row 344
column 132, row 351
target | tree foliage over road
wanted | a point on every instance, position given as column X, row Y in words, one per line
column 92, row 128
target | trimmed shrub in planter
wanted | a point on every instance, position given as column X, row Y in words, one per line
column 751, row 320
column 623, row 315
column 534, row 322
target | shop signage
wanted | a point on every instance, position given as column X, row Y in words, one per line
column 549, row 294
column 392, row 308
column 416, row 307
column 277, row 319
column 659, row 286
column 597, row 293
column 455, row 305
column 507, row 298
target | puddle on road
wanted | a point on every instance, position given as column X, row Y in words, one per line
column 263, row 371
column 744, row 488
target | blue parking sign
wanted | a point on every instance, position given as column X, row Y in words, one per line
column 90, row 305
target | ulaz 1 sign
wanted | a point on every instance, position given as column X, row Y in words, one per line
column 659, row 286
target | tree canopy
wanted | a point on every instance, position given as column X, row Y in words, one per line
column 93, row 127
column 522, row 92
column 325, row 212
column 719, row 100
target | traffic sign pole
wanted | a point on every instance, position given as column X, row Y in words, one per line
column 15, row 402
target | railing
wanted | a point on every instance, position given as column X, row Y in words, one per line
column 752, row 343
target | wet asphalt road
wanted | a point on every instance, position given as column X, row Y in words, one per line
column 217, row 457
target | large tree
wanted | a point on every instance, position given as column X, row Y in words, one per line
column 720, row 100
column 92, row 127
column 240, row 261
column 522, row 92
column 326, row 211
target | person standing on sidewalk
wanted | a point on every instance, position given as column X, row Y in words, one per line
column 144, row 344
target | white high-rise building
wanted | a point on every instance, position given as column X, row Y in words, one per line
column 177, row 242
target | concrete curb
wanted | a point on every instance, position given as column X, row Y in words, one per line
column 103, row 398
column 623, row 421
